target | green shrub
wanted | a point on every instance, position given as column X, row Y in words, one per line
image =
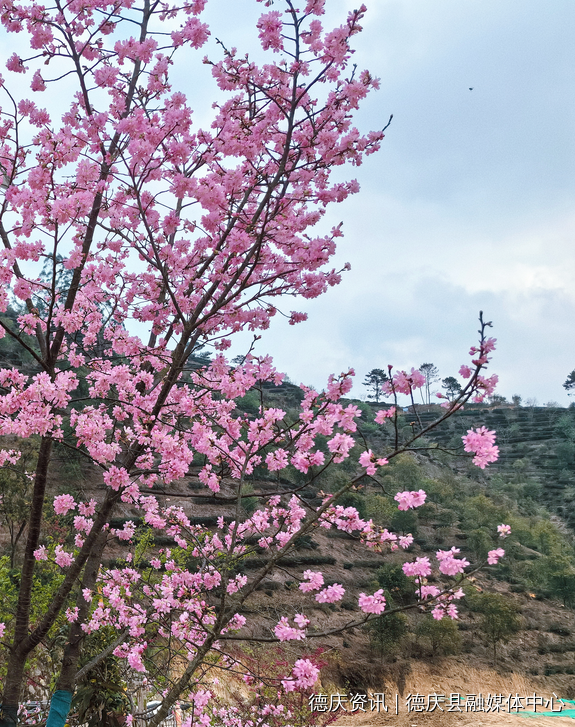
column 397, row 586
column 387, row 633
column 443, row 636
column 500, row 620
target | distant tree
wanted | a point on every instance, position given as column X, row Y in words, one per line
column 431, row 373
column 374, row 381
column 562, row 583
column 397, row 586
column 500, row 620
column 452, row 387
column 386, row 633
column 516, row 399
column 569, row 384
column 480, row 542
column 444, row 637
column 497, row 400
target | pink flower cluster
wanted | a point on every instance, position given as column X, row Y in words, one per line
column 494, row 555
column 331, row 594
column 384, row 414
column 420, row 567
column 305, row 674
column 372, row 604
column 313, row 581
column 371, row 462
column 404, row 383
column 449, row 564
column 285, row 632
column 482, row 442
column 63, row 504
column 409, row 499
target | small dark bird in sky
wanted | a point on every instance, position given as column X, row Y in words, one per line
column 471, row 89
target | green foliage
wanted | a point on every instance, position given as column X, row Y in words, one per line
column 452, row 387
column 374, row 381
column 443, row 636
column 380, row 509
column 500, row 620
column 481, row 542
column 46, row 581
column 562, row 585
column 15, row 492
column 565, row 453
column 12, row 354
column 250, row 403
column 387, row 632
column 404, row 521
column 481, row 511
column 354, row 499
column 565, row 427
column 403, row 473
column 569, row 384
column 100, row 700
column 397, row 586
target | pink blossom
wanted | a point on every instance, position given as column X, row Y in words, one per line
column 419, row 567
column 331, row 594
column 405, row 383
column 314, row 581
column 72, row 614
column 40, row 553
column 411, row 499
column 270, row 27
column 38, row 83
column 63, row 503
column 504, row 530
column 87, row 509
column 62, row 558
column 116, row 477
column 426, row 591
column 236, row 583
column 494, row 555
column 448, row 564
column 481, row 441
column 134, row 657
column 301, row 620
column 372, row 604
column 369, row 461
column 15, row 64
column 384, row 414
column 285, row 632
column 340, row 445
column 438, row 612
column 306, row 673
column 9, row 455
column 405, row 541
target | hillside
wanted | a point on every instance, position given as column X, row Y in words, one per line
column 526, row 488
column 531, row 488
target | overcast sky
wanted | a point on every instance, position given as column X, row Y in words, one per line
column 468, row 206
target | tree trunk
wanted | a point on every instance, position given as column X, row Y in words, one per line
column 17, row 660
column 62, row 697
column 76, row 635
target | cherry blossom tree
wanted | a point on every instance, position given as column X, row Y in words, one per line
column 132, row 238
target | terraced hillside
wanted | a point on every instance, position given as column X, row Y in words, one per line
column 537, row 443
